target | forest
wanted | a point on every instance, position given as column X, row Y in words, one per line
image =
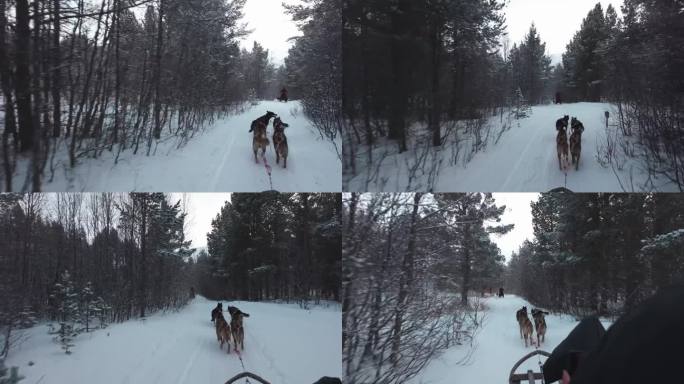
column 86, row 260
column 273, row 247
column 81, row 77
column 433, row 92
column 82, row 261
column 599, row 253
column 409, row 264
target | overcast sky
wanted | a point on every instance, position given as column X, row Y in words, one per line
column 556, row 20
column 202, row 208
column 271, row 27
column 518, row 212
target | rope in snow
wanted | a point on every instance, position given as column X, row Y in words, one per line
column 268, row 169
column 242, row 363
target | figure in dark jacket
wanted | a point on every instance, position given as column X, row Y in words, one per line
column 283, row 95
column 643, row 346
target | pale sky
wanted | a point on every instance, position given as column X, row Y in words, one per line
column 271, row 27
column 518, row 212
column 556, row 20
column 202, row 208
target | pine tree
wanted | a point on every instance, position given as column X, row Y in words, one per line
column 9, row 376
column 66, row 299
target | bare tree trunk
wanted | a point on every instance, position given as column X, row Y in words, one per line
column 23, row 76
column 405, row 281
column 157, row 101
column 10, row 130
column 56, row 72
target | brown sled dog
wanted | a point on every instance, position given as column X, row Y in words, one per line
column 280, row 141
column 525, row 325
column 222, row 331
column 576, row 141
column 539, row 325
column 236, row 327
column 260, row 139
column 562, row 147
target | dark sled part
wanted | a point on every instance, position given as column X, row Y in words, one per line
column 560, row 190
column 246, row 375
column 567, row 355
column 530, row 376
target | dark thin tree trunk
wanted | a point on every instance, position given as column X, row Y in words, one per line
column 23, row 76
column 56, row 72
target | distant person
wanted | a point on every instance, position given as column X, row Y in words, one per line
column 501, row 292
column 643, row 346
column 558, row 98
column 283, row 95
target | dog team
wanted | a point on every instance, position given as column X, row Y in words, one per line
column 260, row 138
column 569, row 151
column 526, row 330
column 234, row 331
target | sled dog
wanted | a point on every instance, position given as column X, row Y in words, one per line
column 280, row 141
column 576, row 142
column 525, row 325
column 539, row 324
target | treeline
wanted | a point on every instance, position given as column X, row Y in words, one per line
column 313, row 67
column 81, row 77
column 634, row 61
column 274, row 247
column 410, row 262
column 84, row 259
column 600, row 253
column 428, row 75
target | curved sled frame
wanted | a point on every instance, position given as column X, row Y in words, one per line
column 244, row 375
column 531, row 377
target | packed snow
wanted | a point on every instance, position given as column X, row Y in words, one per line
column 284, row 344
column 218, row 159
column 496, row 348
column 523, row 160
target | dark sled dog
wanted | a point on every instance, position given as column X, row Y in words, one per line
column 525, row 325
column 260, row 138
column 280, row 141
column 216, row 311
column 539, row 324
column 562, row 122
column 576, row 141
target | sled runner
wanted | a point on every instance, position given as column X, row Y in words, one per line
column 246, row 375
column 529, row 377
column 249, row 375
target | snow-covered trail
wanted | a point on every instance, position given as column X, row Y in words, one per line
column 283, row 344
column 497, row 347
column 525, row 158
column 219, row 159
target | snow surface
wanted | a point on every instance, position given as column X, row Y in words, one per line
column 283, row 344
column 497, row 347
column 525, row 159
column 218, row 160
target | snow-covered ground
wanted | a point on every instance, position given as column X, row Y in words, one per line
column 219, row 159
column 525, row 160
column 497, row 347
column 283, row 344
